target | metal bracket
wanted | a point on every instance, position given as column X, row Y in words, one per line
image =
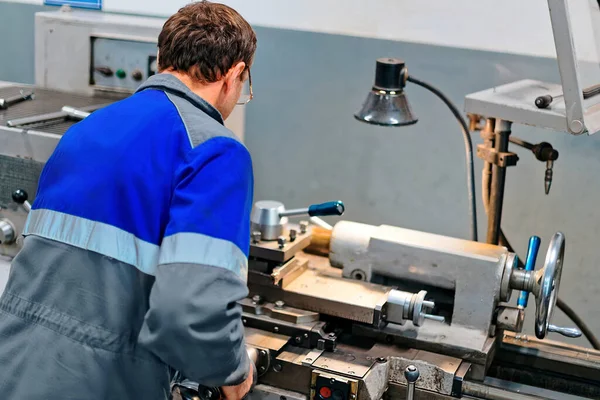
column 498, row 158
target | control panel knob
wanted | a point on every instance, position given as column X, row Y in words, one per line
column 104, row 71
column 137, row 75
column 8, row 233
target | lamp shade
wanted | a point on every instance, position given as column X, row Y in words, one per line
column 386, row 103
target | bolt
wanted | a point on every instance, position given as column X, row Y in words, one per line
column 244, row 321
column 262, row 369
column 303, row 226
column 281, row 241
column 353, row 396
column 256, row 299
column 381, row 360
column 279, row 304
column 276, row 329
column 308, row 359
column 332, row 381
column 263, row 353
column 306, row 335
column 256, row 236
column 325, row 366
column 298, row 339
column 293, row 234
column 351, row 372
column 277, row 368
column 332, row 335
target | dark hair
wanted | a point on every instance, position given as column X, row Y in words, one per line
column 205, row 40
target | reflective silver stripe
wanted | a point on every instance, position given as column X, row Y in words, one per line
column 94, row 236
column 195, row 248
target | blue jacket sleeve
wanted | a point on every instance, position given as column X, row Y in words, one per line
column 194, row 322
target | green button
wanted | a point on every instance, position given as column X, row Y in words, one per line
column 121, row 74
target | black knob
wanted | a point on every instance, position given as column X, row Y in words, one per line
column 137, row 75
column 106, row 71
column 20, row 196
column 543, row 101
column 411, row 373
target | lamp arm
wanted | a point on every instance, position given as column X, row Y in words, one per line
column 468, row 149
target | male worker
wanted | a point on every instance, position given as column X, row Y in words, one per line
column 136, row 245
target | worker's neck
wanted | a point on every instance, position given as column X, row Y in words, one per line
column 210, row 92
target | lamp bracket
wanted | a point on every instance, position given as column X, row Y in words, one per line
column 501, row 159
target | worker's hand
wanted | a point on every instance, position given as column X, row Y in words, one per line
column 240, row 391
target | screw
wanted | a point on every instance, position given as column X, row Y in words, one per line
column 298, row 339
column 256, row 236
column 306, row 335
column 308, row 359
column 381, row 360
column 256, row 299
column 244, row 321
column 279, row 304
column 292, row 235
column 262, row 369
column 277, row 368
column 263, row 353
column 332, row 381
column 351, row 372
column 303, row 226
column 281, row 241
column 276, row 329
column 332, row 335
column 352, row 396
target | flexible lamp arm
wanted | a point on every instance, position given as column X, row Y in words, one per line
column 468, row 149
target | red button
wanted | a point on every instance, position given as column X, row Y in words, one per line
column 325, row 392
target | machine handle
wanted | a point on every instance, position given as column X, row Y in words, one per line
column 532, row 253
column 411, row 373
column 317, row 210
column 568, row 332
column 20, row 196
column 329, row 208
column 546, row 290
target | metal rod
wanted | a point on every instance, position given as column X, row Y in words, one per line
column 522, row 143
column 491, row 393
column 291, row 213
column 37, row 119
column 10, row 101
column 502, row 133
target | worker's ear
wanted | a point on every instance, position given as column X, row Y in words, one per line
column 234, row 76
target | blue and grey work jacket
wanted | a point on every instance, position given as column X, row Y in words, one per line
column 135, row 254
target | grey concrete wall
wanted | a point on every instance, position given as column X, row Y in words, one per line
column 307, row 147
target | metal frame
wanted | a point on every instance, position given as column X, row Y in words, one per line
column 514, row 102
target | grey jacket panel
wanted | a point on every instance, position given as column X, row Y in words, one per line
column 69, row 321
column 198, row 126
column 193, row 304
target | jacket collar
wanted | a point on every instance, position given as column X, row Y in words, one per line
column 171, row 84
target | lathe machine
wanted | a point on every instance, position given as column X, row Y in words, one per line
column 438, row 323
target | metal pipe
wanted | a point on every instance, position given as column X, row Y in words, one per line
column 502, row 133
column 492, row 393
column 296, row 211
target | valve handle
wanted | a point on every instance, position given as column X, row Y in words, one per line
column 546, row 290
column 329, row 208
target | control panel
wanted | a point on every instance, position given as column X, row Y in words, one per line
column 120, row 63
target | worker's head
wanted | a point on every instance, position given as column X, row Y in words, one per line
column 211, row 47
